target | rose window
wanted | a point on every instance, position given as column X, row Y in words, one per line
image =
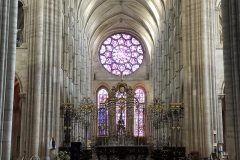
column 121, row 54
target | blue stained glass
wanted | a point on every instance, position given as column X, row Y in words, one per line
column 121, row 108
column 122, row 52
column 102, row 113
column 139, row 113
column 139, row 94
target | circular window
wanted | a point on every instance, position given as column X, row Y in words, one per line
column 121, row 54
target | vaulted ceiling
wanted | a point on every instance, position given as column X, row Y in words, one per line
column 101, row 18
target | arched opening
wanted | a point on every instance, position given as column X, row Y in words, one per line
column 16, row 121
column 20, row 24
column 139, row 112
column 102, row 95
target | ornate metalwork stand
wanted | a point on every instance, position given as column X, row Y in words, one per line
column 167, row 128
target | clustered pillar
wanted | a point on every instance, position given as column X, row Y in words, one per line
column 168, row 73
column 75, row 64
column 41, row 112
column 8, row 30
column 183, row 69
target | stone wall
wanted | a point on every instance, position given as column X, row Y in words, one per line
column 22, row 67
column 231, row 50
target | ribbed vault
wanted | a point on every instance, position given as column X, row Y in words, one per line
column 142, row 18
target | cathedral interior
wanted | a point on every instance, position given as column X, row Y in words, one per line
column 119, row 79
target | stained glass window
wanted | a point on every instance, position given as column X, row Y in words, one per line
column 102, row 113
column 121, row 54
column 121, row 111
column 139, row 113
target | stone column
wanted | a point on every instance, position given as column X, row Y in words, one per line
column 3, row 53
column 36, row 65
column 10, row 77
column 57, row 66
column 199, row 81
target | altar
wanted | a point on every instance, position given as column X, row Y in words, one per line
column 122, row 152
column 117, row 127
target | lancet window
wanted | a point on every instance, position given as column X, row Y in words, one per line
column 122, row 114
column 120, row 109
column 139, row 112
column 102, row 113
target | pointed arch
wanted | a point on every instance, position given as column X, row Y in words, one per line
column 102, row 120
column 139, row 111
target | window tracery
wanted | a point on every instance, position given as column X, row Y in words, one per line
column 121, row 54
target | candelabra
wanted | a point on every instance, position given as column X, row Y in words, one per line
column 176, row 112
column 159, row 112
column 81, row 113
column 67, row 112
column 166, row 122
column 85, row 111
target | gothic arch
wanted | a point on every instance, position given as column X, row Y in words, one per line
column 23, row 2
column 140, row 85
column 102, row 113
column 102, row 85
column 16, row 119
column 222, row 88
column 19, row 80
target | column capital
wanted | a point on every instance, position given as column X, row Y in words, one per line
column 22, row 96
column 221, row 96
